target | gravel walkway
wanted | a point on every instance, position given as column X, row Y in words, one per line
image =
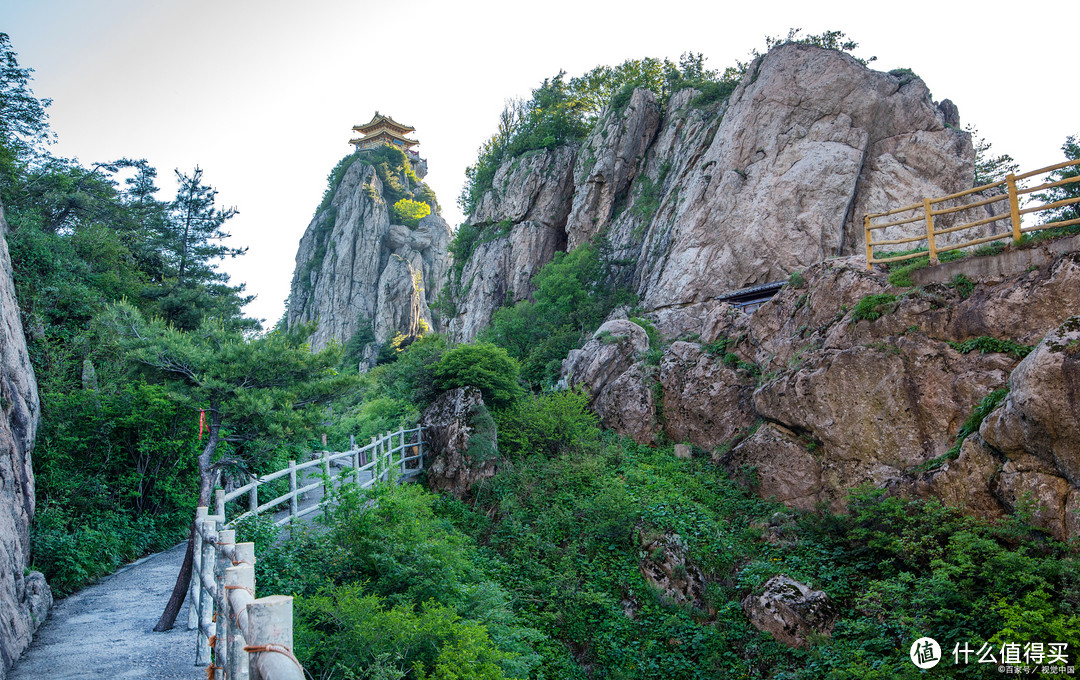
column 106, row 630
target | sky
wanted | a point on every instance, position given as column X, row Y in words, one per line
column 263, row 94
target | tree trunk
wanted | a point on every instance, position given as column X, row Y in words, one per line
column 206, row 486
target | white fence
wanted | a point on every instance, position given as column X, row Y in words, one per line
column 240, row 636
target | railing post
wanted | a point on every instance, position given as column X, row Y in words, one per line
column 328, row 484
column 930, row 230
column 225, row 623
column 869, row 248
column 242, row 578
column 401, row 437
column 1014, row 206
column 195, row 588
column 420, row 446
column 253, row 494
column 219, row 503
column 206, row 600
column 375, row 459
column 271, row 627
column 293, row 502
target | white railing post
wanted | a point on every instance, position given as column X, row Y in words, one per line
column 206, row 599
column 270, row 643
column 195, row 586
column 293, row 500
column 240, row 590
column 223, row 628
column 219, row 503
column 253, row 493
column 401, row 438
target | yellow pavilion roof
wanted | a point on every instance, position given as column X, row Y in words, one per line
column 379, row 120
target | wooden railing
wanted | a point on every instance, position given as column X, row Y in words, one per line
column 249, row 637
column 925, row 212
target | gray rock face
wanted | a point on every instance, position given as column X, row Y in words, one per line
column 353, row 266
column 607, row 163
column 1038, row 429
column 24, row 598
column 522, row 225
column 790, row 611
column 840, row 402
column 708, row 198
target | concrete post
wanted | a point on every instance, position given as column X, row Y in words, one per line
column 206, row 600
column 226, row 537
column 195, row 588
column 292, row 490
column 240, row 586
column 271, row 629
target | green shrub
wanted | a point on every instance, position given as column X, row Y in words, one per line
column 552, row 423
column 963, row 285
column 985, row 344
column 481, row 365
column 410, row 212
column 873, row 307
column 978, row 415
column 797, row 280
column 574, row 294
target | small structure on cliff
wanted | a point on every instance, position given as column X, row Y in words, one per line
column 384, row 130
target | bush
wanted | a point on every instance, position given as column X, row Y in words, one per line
column 873, row 307
column 409, row 212
column 484, row 366
column 552, row 423
column 986, row 344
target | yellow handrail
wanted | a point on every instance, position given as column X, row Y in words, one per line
column 928, row 212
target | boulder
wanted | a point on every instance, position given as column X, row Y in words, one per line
column 790, row 611
column 620, row 389
column 1041, row 414
column 663, row 563
column 449, row 427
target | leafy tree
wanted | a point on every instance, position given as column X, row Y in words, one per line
column 257, row 393
column 989, row 168
column 480, row 365
column 574, row 293
column 24, row 126
column 1071, row 147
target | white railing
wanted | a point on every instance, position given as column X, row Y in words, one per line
column 252, row 638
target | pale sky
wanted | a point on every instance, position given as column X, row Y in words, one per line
column 262, row 94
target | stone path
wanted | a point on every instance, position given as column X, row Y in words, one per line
column 106, row 630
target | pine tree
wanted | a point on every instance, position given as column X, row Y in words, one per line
column 190, row 242
column 257, row 393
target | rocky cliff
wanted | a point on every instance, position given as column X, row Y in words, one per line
column 24, row 595
column 359, row 272
column 708, row 198
column 842, row 380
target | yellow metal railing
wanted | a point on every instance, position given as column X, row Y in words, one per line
column 926, row 212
